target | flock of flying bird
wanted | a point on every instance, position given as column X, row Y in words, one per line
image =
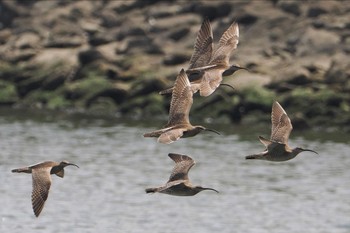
column 204, row 74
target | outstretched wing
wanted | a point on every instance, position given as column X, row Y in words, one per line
column 265, row 141
column 181, row 101
column 281, row 124
column 210, row 81
column 228, row 42
column 183, row 164
column 171, row 136
column 203, row 46
column 41, row 185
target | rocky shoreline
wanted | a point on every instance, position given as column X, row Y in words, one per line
column 112, row 57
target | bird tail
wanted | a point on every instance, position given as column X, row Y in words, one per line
column 23, row 169
column 147, row 135
column 250, row 157
column 166, row 91
column 151, row 190
column 261, row 155
column 156, row 134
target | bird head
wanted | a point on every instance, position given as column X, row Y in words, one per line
column 232, row 69
column 65, row 163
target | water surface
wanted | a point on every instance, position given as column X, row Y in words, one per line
column 307, row 194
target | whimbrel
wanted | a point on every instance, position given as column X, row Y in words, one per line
column 208, row 66
column 277, row 148
column 179, row 124
column 179, row 183
column 41, row 177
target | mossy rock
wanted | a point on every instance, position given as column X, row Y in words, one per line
column 299, row 97
column 8, row 93
column 330, row 97
column 88, row 87
column 307, row 96
column 47, row 99
column 318, row 106
column 150, row 105
column 29, row 85
column 14, row 73
column 258, row 96
column 58, row 102
column 103, row 105
column 147, row 85
column 213, row 106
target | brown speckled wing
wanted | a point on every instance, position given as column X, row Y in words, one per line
column 203, row 46
column 281, row 124
column 183, row 164
column 210, row 81
column 264, row 141
column 170, row 136
column 282, row 131
column 276, row 114
column 41, row 185
column 228, row 42
column 181, row 101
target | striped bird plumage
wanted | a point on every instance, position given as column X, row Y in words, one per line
column 277, row 148
column 41, row 180
column 179, row 183
column 179, row 123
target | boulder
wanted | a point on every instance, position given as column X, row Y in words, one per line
column 88, row 56
column 291, row 7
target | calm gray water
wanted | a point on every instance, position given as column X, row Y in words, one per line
column 308, row 194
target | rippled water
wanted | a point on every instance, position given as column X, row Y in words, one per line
column 308, row 194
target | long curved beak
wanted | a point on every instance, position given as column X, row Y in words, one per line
column 310, row 150
column 233, row 69
column 73, row 164
column 212, row 130
column 228, row 85
column 211, row 189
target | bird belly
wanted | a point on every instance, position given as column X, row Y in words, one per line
column 190, row 133
column 179, row 191
column 279, row 154
column 282, row 157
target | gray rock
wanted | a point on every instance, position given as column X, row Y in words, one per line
column 210, row 11
column 115, row 94
column 88, row 56
column 178, row 34
column 314, row 41
column 64, row 42
column 291, row 7
column 28, row 40
column 175, row 59
column 315, row 11
column 53, row 82
column 247, row 19
column 29, row 85
column 131, row 31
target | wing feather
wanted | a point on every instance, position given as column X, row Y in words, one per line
column 41, row 185
column 170, row 136
column 276, row 114
column 181, row 101
column 183, row 164
column 203, row 47
column 210, row 81
column 281, row 124
column 228, row 42
column 282, row 131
